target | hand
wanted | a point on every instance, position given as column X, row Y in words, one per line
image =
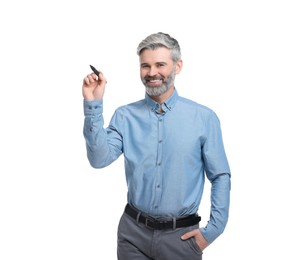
column 200, row 240
column 94, row 86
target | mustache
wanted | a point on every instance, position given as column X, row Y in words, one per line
column 153, row 78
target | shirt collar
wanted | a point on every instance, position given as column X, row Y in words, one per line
column 166, row 106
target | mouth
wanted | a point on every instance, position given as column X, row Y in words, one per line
column 154, row 82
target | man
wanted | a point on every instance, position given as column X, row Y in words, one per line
column 169, row 144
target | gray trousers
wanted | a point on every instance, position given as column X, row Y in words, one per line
column 137, row 242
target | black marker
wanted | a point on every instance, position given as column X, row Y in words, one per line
column 94, row 70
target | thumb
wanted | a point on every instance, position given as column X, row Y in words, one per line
column 188, row 235
column 101, row 77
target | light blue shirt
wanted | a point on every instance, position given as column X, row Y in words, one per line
column 167, row 156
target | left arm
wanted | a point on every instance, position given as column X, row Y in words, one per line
column 219, row 211
column 220, row 191
column 218, row 172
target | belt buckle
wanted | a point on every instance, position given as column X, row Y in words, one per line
column 155, row 224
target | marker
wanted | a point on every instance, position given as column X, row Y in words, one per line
column 94, row 70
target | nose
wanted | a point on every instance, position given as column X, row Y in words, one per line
column 152, row 71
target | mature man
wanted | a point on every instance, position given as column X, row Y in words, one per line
column 169, row 144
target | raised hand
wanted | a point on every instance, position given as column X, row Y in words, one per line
column 94, row 86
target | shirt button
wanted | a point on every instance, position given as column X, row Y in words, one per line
column 159, row 164
column 158, row 186
column 160, row 141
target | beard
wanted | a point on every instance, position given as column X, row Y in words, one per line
column 161, row 89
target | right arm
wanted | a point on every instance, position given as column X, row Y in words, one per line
column 103, row 145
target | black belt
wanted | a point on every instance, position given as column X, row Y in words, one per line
column 161, row 224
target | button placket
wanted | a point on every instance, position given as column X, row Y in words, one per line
column 158, row 189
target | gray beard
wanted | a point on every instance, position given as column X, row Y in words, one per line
column 163, row 88
column 157, row 91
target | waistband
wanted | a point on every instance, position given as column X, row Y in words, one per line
column 157, row 224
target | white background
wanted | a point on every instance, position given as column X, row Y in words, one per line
column 244, row 59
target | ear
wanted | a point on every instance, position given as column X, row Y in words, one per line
column 178, row 67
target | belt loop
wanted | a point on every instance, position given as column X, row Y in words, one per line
column 138, row 216
column 174, row 223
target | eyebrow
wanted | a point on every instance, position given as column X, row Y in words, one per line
column 159, row 62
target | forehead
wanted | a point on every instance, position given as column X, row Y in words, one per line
column 161, row 54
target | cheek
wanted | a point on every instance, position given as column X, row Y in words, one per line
column 143, row 73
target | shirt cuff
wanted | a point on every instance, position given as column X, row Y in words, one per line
column 209, row 234
column 93, row 108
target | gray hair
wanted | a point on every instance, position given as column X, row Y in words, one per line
column 158, row 40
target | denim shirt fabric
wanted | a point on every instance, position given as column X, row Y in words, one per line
column 168, row 156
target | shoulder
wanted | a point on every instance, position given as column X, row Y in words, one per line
column 193, row 105
column 131, row 108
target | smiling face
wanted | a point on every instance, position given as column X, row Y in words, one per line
column 157, row 71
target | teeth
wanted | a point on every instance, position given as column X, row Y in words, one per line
column 156, row 80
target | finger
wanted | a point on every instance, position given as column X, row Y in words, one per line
column 105, row 80
column 86, row 80
column 92, row 77
column 188, row 235
column 101, row 76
